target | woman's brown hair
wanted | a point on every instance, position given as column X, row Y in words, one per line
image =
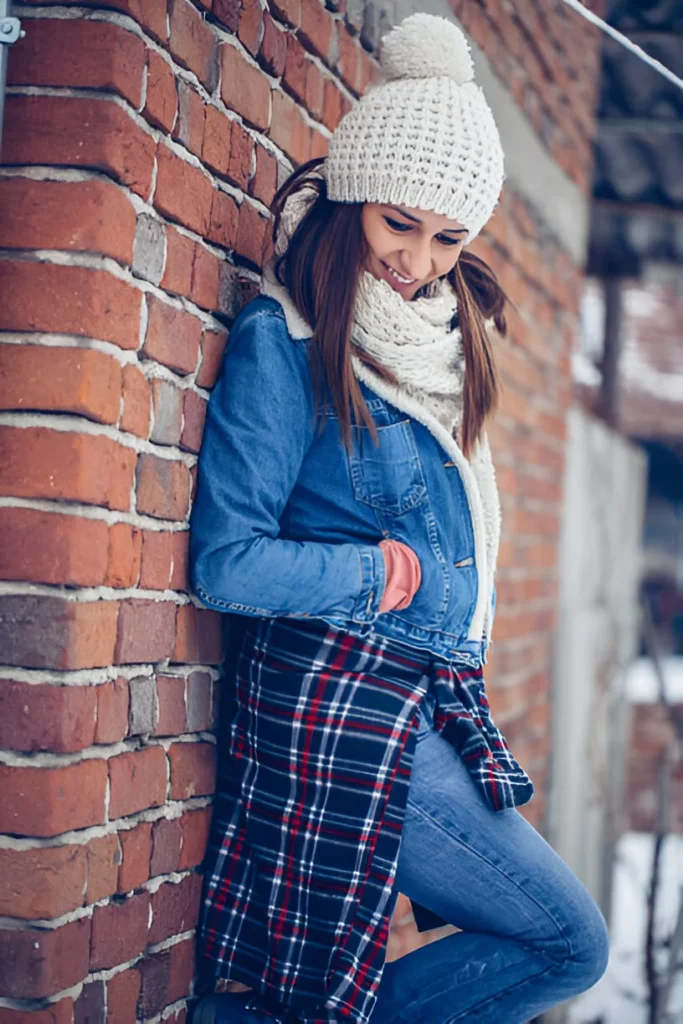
column 320, row 269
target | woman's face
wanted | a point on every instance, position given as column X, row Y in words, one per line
column 409, row 248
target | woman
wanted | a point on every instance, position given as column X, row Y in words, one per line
column 346, row 506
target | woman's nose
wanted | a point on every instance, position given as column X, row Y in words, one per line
column 417, row 260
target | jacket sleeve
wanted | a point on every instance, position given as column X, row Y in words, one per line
column 259, row 426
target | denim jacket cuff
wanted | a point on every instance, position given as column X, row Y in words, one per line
column 373, row 581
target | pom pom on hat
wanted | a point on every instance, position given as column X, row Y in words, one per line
column 423, row 46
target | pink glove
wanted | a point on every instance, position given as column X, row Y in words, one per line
column 403, row 576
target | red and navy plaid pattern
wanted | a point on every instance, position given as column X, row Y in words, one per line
column 311, row 796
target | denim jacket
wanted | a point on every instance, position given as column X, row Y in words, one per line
column 287, row 522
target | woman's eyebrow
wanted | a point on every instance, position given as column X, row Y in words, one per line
column 416, row 220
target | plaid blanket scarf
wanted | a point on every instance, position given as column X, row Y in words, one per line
column 312, row 788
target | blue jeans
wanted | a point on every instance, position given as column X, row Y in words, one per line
column 532, row 936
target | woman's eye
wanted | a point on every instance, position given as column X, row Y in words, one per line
column 447, row 240
column 397, row 225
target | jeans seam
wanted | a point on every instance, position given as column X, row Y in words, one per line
column 442, row 828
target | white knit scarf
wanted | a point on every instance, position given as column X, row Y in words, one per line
column 415, row 341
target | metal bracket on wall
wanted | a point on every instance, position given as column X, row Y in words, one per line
column 10, row 31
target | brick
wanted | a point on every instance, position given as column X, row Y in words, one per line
column 264, row 182
column 179, row 261
column 199, row 691
column 161, row 99
column 192, row 42
column 228, row 13
column 216, row 144
column 206, row 269
column 166, row 978
column 150, row 14
column 235, row 290
column 182, row 972
column 39, row 963
column 136, row 851
column 90, row 1005
column 183, row 192
column 288, row 11
column 295, row 68
column 171, row 698
column 223, row 223
column 181, row 551
column 41, row 463
column 212, row 349
column 240, row 156
column 195, row 826
column 124, row 555
column 189, row 128
column 75, row 380
column 42, row 883
column 194, row 415
column 252, row 231
column 348, row 63
column 148, row 249
column 319, row 145
column 172, row 336
column 119, row 931
column 314, row 91
column 175, row 908
column 75, row 132
column 55, row 1013
column 143, row 705
column 81, row 53
column 288, row 130
column 167, row 401
column 40, row 631
column 166, row 839
column 157, row 559
column 244, row 88
column 78, row 216
column 36, row 717
column 122, row 996
column 69, row 300
column 156, row 977
column 137, row 402
column 163, row 489
column 145, row 631
column 137, row 781
column 273, row 52
column 103, row 857
column 47, row 801
column 316, row 27
column 45, row 547
column 193, row 770
column 332, row 105
column 250, row 29
column 198, row 636
column 112, row 711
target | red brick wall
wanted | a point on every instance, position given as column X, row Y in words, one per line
column 143, row 143
column 652, row 741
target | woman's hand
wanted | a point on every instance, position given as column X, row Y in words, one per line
column 403, row 576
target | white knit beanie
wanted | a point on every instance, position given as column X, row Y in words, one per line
column 425, row 137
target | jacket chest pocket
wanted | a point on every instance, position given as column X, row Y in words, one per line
column 388, row 476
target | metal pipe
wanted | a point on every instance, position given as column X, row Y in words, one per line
column 10, row 31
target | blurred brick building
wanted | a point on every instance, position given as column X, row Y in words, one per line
column 143, row 142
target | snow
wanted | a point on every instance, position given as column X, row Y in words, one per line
column 642, row 686
column 620, row 996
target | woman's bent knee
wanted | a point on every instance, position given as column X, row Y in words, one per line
column 589, row 949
